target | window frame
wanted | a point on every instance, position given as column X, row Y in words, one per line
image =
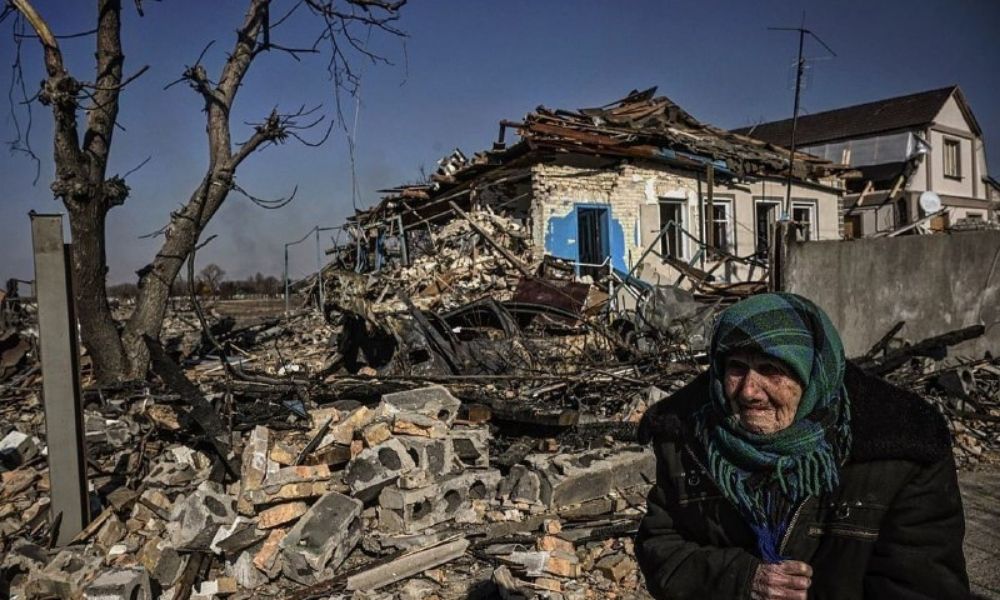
column 774, row 201
column 812, row 205
column 729, row 222
column 682, row 242
column 956, row 171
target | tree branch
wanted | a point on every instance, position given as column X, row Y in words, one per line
column 59, row 92
column 41, row 28
column 107, row 86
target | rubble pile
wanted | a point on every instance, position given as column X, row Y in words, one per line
column 966, row 390
column 347, row 497
column 454, row 428
column 18, row 338
column 459, row 266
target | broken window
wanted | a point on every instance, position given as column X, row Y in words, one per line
column 804, row 213
column 952, row 159
column 672, row 217
column 592, row 239
column 766, row 213
column 721, row 223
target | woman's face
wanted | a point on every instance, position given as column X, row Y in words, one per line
column 762, row 391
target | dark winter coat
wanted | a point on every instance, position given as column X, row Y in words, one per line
column 892, row 529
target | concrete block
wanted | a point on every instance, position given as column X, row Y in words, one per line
column 121, row 584
column 409, row 511
column 162, row 561
column 322, row 538
column 435, row 457
column 521, row 485
column 572, row 479
column 432, row 401
column 471, row 447
column 16, row 448
column 195, row 521
column 238, row 535
column 65, row 576
column 376, row 467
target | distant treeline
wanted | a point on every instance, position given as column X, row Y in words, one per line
column 211, row 283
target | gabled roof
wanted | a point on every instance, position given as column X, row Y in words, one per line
column 861, row 120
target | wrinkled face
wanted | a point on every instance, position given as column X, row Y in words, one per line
column 761, row 390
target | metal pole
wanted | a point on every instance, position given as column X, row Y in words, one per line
column 60, row 378
column 787, row 210
column 799, row 69
column 286, row 279
column 710, row 208
column 319, row 273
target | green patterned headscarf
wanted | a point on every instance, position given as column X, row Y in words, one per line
column 766, row 476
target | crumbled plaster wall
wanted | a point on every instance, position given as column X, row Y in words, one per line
column 630, row 192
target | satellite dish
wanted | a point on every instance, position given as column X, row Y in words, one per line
column 930, row 202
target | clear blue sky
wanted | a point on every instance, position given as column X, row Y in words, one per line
column 468, row 64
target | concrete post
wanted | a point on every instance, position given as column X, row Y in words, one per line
column 60, row 377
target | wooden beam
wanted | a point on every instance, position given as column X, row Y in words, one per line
column 489, row 240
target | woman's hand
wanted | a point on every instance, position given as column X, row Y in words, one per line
column 786, row 580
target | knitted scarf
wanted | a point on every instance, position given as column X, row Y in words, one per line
column 767, row 476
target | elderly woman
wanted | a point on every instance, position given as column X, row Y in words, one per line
column 783, row 472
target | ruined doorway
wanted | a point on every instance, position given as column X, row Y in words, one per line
column 592, row 239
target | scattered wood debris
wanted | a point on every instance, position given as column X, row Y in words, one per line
column 462, row 425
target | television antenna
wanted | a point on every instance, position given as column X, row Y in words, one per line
column 799, row 70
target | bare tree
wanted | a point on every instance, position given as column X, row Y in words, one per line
column 81, row 180
column 212, row 275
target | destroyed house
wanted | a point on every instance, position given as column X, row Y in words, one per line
column 638, row 187
column 903, row 147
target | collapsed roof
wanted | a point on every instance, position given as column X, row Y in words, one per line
column 641, row 126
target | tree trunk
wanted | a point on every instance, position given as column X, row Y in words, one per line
column 97, row 328
column 154, row 286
